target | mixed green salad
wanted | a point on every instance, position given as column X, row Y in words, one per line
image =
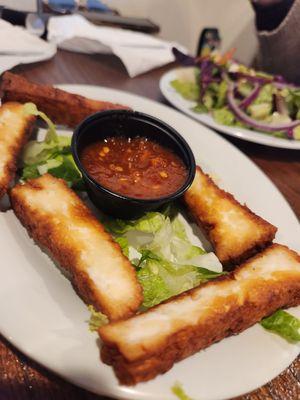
column 239, row 96
column 158, row 245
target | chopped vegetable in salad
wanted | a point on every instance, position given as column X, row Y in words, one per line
column 239, row 96
column 179, row 392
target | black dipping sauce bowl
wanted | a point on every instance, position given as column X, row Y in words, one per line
column 126, row 123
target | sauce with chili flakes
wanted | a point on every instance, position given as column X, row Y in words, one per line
column 135, row 167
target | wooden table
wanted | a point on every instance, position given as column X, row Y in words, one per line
column 22, row 379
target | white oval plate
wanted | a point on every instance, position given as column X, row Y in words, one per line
column 42, row 316
column 245, row 134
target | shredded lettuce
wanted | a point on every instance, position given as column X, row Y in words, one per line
column 123, row 243
column 97, row 319
column 52, row 155
column 31, row 109
column 167, row 263
column 178, row 391
column 36, row 152
column 155, row 289
column 151, row 222
column 162, row 279
column 171, row 243
column 284, row 324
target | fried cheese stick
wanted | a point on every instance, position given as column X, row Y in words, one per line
column 150, row 343
column 62, row 107
column 57, row 219
column 235, row 232
column 15, row 129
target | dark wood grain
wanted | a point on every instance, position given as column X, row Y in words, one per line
column 22, row 379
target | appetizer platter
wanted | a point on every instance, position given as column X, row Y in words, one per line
column 234, row 99
column 189, row 288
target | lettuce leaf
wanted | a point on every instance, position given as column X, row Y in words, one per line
column 155, row 289
column 284, row 324
column 29, row 172
column 178, row 391
column 208, row 100
column 187, row 89
column 214, row 97
column 221, row 94
column 171, row 243
column 260, row 111
column 297, row 132
column 200, row 108
column 224, row 116
column 123, row 243
column 52, row 155
column 162, row 279
column 31, row 109
column 158, row 246
column 68, row 171
column 245, row 88
column 37, row 152
column 265, row 95
column 97, row 319
column 295, row 93
column 151, row 222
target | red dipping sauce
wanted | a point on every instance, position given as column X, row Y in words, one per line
column 135, row 167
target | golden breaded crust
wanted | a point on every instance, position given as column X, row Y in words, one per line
column 150, row 343
column 15, row 129
column 62, row 107
column 57, row 219
column 235, row 232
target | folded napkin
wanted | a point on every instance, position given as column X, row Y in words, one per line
column 17, row 46
column 139, row 52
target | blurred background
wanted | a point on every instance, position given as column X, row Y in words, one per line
column 183, row 21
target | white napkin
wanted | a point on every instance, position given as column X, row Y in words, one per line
column 139, row 52
column 17, row 46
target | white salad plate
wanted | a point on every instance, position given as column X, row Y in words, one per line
column 43, row 317
column 186, row 106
